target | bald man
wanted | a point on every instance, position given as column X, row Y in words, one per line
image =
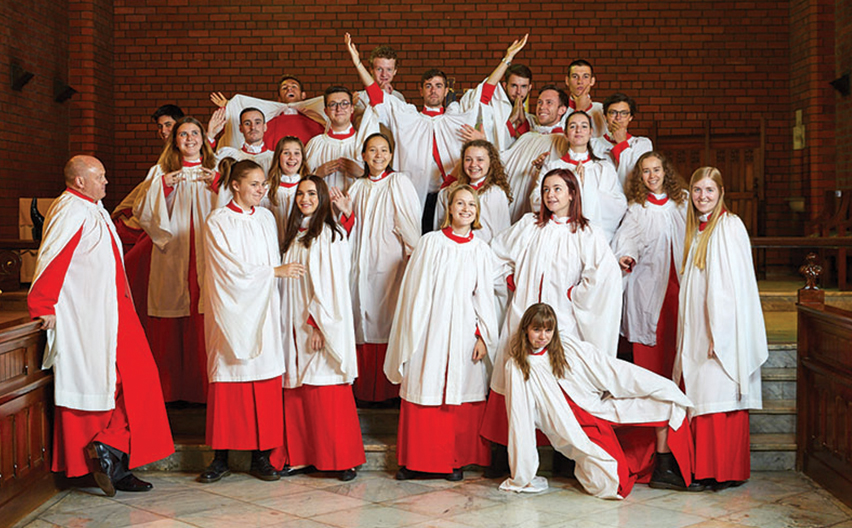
column 106, row 381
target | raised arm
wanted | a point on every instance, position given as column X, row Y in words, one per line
column 366, row 78
column 506, row 61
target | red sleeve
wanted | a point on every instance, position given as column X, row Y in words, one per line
column 618, row 149
column 377, row 96
column 311, row 322
column 487, row 93
column 347, row 222
column 212, row 143
column 168, row 190
column 217, row 180
column 477, row 334
column 510, row 282
column 569, row 292
column 521, row 130
column 44, row 293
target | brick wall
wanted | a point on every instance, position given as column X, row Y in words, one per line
column 843, row 65
column 35, row 129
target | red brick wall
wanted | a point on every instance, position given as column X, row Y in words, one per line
column 684, row 62
column 34, row 129
column 843, row 65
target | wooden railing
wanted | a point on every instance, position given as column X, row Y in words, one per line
column 824, row 393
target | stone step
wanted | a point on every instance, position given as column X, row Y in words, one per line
column 778, row 384
column 777, row 416
column 773, row 452
column 781, row 355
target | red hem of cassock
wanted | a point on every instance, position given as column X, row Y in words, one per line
column 371, row 384
column 659, row 358
column 722, row 446
column 321, row 429
column 633, row 446
column 247, row 415
column 495, row 423
column 438, row 439
column 138, row 425
column 178, row 344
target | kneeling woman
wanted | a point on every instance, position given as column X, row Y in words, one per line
column 320, row 420
column 445, row 324
column 242, row 327
column 577, row 396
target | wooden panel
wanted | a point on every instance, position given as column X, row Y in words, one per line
column 13, row 364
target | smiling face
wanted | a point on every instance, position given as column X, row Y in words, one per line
column 462, row 210
column 579, row 131
column 253, row 127
column 307, row 198
column 249, row 190
column 653, row 174
column 338, row 108
column 290, row 160
column 377, row 155
column 476, row 163
column 539, row 337
column 548, row 109
column 165, row 123
column 434, row 91
column 556, row 196
column 188, row 141
column 705, row 195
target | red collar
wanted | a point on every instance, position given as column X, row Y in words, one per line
column 78, row 194
column 344, row 135
column 657, row 201
column 606, row 137
column 288, row 185
column 702, row 225
column 262, row 150
column 573, row 105
column 567, row 159
column 236, row 208
column 191, row 163
column 432, row 113
column 448, row 231
column 543, row 350
column 380, row 178
column 557, row 130
column 480, row 184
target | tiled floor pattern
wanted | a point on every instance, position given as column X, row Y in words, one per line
column 375, row 500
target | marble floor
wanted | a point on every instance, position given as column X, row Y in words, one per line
column 375, row 500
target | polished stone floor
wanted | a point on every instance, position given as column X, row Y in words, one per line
column 375, row 500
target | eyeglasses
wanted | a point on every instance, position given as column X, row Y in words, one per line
column 343, row 105
column 617, row 113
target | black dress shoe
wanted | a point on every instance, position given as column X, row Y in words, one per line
column 132, row 483
column 288, row 471
column 217, row 470
column 406, row 474
column 348, row 474
column 104, row 467
column 667, row 475
column 261, row 468
column 456, row 476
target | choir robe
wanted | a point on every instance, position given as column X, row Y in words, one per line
column 596, row 391
column 428, row 146
column 330, row 146
column 320, row 419
column 446, row 300
column 174, row 219
column 105, row 380
column 127, row 226
column 261, row 155
column 286, row 194
column 493, row 116
column 595, row 112
column 387, row 227
column 721, row 346
column 493, row 210
column 304, row 119
column 604, row 203
column 652, row 234
column 243, row 330
column 517, row 162
column 624, row 155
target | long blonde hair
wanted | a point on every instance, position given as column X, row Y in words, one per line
column 171, row 159
column 275, row 172
column 692, row 220
column 539, row 315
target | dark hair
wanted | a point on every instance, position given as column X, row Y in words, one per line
column 170, row 110
column 336, row 89
column 592, row 155
column 288, row 77
column 251, row 109
column 496, row 173
column 519, row 70
column 575, row 208
column 234, row 171
column 364, row 151
column 564, row 100
column 581, row 62
column 274, row 177
column 538, row 315
column 619, row 98
column 322, row 216
column 383, row 52
column 673, row 184
column 434, row 72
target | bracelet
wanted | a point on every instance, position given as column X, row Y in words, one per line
column 508, row 62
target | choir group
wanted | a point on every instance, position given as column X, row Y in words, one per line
column 474, row 264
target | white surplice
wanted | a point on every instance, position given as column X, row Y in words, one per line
column 324, row 148
column 231, row 135
column 493, row 211
column 286, row 194
column 624, row 155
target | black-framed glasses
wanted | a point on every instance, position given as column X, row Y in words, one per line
column 343, row 105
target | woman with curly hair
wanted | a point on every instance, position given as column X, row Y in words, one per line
column 482, row 170
column 647, row 244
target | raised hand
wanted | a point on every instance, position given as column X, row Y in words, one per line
column 216, row 123
column 218, row 99
column 515, row 47
column 468, row 133
column 341, row 200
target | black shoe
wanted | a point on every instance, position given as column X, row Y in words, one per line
column 287, row 471
column 667, row 475
column 132, row 483
column 456, row 476
column 261, row 467
column 499, row 467
column 216, row 471
column 105, row 465
column 348, row 474
column 725, row 484
column 562, row 465
column 406, row 474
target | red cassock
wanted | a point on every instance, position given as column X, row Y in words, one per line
column 297, row 125
column 137, row 424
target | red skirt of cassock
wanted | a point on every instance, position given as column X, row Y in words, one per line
column 633, row 446
column 129, row 236
column 138, row 425
column 178, row 344
column 438, row 439
column 659, row 358
column 247, row 415
column 371, row 384
column 137, row 264
column 722, row 446
column 321, row 429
